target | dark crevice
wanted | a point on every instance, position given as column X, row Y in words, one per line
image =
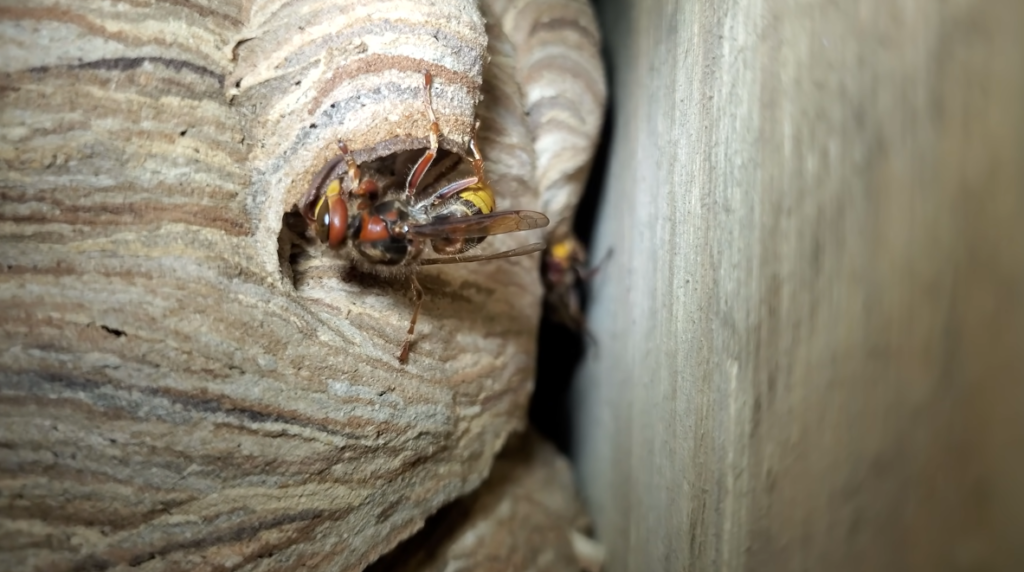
column 560, row 349
column 431, row 547
column 425, row 545
column 113, row 331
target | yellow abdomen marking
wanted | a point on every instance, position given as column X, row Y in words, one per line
column 334, row 188
column 481, row 196
column 562, row 250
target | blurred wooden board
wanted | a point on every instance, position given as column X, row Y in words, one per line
column 812, row 331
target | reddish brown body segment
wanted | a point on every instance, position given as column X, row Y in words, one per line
column 374, row 229
column 338, row 224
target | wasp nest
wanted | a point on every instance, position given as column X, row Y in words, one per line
column 179, row 389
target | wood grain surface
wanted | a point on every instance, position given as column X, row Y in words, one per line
column 811, row 333
column 186, row 384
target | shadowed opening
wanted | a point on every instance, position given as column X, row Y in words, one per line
column 560, row 349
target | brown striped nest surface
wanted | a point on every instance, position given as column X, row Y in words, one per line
column 175, row 393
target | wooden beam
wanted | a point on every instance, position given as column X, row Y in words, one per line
column 811, row 335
